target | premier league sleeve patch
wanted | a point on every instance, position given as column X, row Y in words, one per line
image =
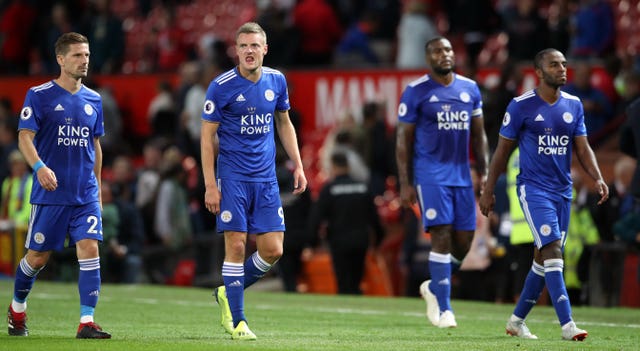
column 209, row 107
column 26, row 113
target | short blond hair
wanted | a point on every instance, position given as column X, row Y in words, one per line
column 251, row 28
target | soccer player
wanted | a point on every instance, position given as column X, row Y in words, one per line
column 59, row 129
column 547, row 125
column 440, row 114
column 241, row 108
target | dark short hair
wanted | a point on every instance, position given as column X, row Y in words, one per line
column 433, row 40
column 66, row 39
column 339, row 159
column 537, row 60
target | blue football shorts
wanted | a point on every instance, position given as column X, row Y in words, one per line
column 250, row 207
column 49, row 225
column 444, row 205
column 547, row 214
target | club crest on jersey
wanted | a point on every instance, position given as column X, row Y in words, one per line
column 545, row 229
column 209, row 107
column 26, row 113
column 226, row 216
column 465, row 97
column 88, row 109
column 431, row 213
column 269, row 95
column 567, row 117
column 38, row 238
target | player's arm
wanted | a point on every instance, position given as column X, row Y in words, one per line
column 289, row 140
column 208, row 144
column 404, row 153
column 587, row 159
column 498, row 164
column 97, row 167
column 46, row 176
column 480, row 146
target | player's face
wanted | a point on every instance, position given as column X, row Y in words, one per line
column 251, row 48
column 440, row 56
column 554, row 70
column 75, row 63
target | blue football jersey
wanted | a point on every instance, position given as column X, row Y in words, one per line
column 245, row 112
column 545, row 136
column 442, row 117
column 65, row 125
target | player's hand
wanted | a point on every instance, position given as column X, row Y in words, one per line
column 47, row 178
column 299, row 181
column 407, row 195
column 212, row 199
column 603, row 190
column 486, row 202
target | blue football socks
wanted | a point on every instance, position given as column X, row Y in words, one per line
column 440, row 269
column 233, row 277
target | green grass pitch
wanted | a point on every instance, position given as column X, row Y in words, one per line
column 145, row 317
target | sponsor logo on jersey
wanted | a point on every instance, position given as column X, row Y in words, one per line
column 69, row 135
column 449, row 119
column 539, row 118
column 240, row 98
column 433, row 98
column 553, row 144
column 251, row 124
column 59, row 108
column 402, row 109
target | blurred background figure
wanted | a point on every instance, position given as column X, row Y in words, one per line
column 16, row 192
column 414, row 30
column 346, row 207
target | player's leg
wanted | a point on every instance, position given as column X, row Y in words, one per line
column 553, row 268
column 86, row 233
column 267, row 223
column 233, row 273
column 39, row 247
column 26, row 272
column 260, row 262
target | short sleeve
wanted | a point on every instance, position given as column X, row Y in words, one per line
column 511, row 122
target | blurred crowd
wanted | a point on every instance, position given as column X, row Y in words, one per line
column 155, row 227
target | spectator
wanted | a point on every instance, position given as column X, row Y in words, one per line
column 172, row 223
column 162, row 113
column 347, row 208
column 171, row 41
column 414, row 30
column 123, row 256
column 630, row 143
column 559, row 25
column 8, row 143
column 320, row 30
column 593, row 31
column 598, row 110
column 473, row 20
column 581, row 236
column 107, row 39
column 355, row 49
column 16, row 31
column 16, row 192
column 57, row 24
column 147, row 185
column 296, row 212
column 527, row 30
column 377, row 148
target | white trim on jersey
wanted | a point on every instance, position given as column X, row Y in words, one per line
column 91, row 90
column 43, row 86
column 465, row 78
column 420, row 80
column 225, row 77
column 569, row 96
column 527, row 215
column 525, row 96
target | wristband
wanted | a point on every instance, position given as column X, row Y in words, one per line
column 38, row 165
